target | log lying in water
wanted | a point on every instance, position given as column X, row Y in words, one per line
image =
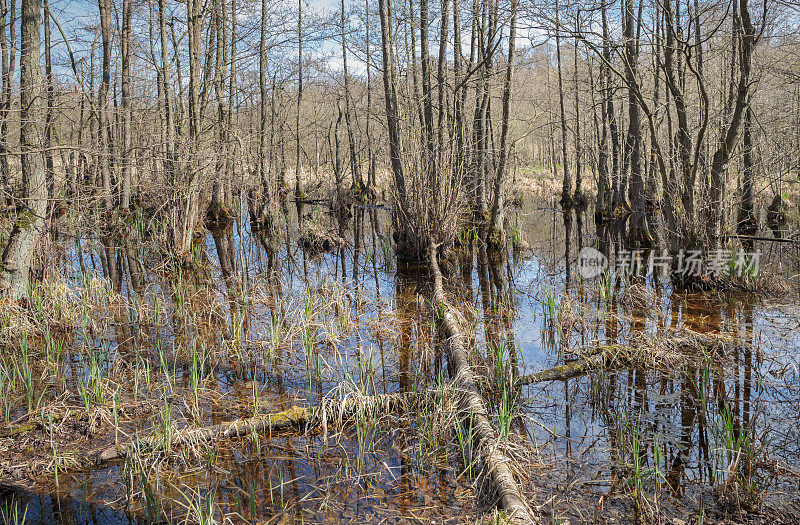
column 678, row 344
column 471, row 406
column 566, row 371
column 330, row 412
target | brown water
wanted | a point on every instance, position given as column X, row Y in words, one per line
column 266, row 316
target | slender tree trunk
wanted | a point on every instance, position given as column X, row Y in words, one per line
column 218, row 204
column 747, row 218
column 496, row 224
column 7, row 50
column 604, row 192
column 358, row 181
column 479, row 153
column 297, row 162
column 441, row 80
column 617, row 197
column 169, row 119
column 390, row 94
column 370, row 152
column 578, row 197
column 191, row 191
column 230, row 166
column 566, row 186
column 746, row 39
column 102, row 102
column 265, row 217
column 687, row 168
column 18, row 253
column 638, row 232
column 127, row 108
column 49, row 112
column 458, row 101
column 427, row 101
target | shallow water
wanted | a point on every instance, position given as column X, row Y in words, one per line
column 267, row 317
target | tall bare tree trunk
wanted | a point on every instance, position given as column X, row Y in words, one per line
column 169, row 152
column 218, row 210
column 566, row 185
column 746, row 41
column 578, row 198
column 265, row 216
column 617, row 198
column 18, row 253
column 230, row 166
column 49, row 111
column 747, row 219
column 604, row 191
column 7, row 46
column 441, row 81
column 458, row 100
column 358, row 181
column 191, row 191
column 479, row 131
column 297, row 162
column 390, row 94
column 496, row 235
column 370, row 152
column 427, row 101
column 102, row 102
column 127, row 108
column 638, row 232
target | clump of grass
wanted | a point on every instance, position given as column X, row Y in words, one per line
column 551, row 315
column 24, row 372
column 605, row 287
column 200, row 508
column 735, row 456
column 141, row 465
column 640, row 472
column 7, row 388
column 464, row 439
column 11, row 514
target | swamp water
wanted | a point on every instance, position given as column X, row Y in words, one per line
column 134, row 344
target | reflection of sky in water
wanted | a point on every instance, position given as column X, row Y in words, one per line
column 580, row 410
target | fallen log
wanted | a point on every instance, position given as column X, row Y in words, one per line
column 331, row 412
column 471, row 405
column 566, row 371
column 679, row 345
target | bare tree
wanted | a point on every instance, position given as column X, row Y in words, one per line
column 18, row 252
column 496, row 222
column 127, row 107
column 7, row 47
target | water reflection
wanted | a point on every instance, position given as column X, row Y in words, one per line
column 262, row 286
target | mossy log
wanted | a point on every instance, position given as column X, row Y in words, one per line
column 566, row 371
column 472, row 407
column 329, row 413
column 679, row 342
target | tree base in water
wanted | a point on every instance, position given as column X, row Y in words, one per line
column 217, row 215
